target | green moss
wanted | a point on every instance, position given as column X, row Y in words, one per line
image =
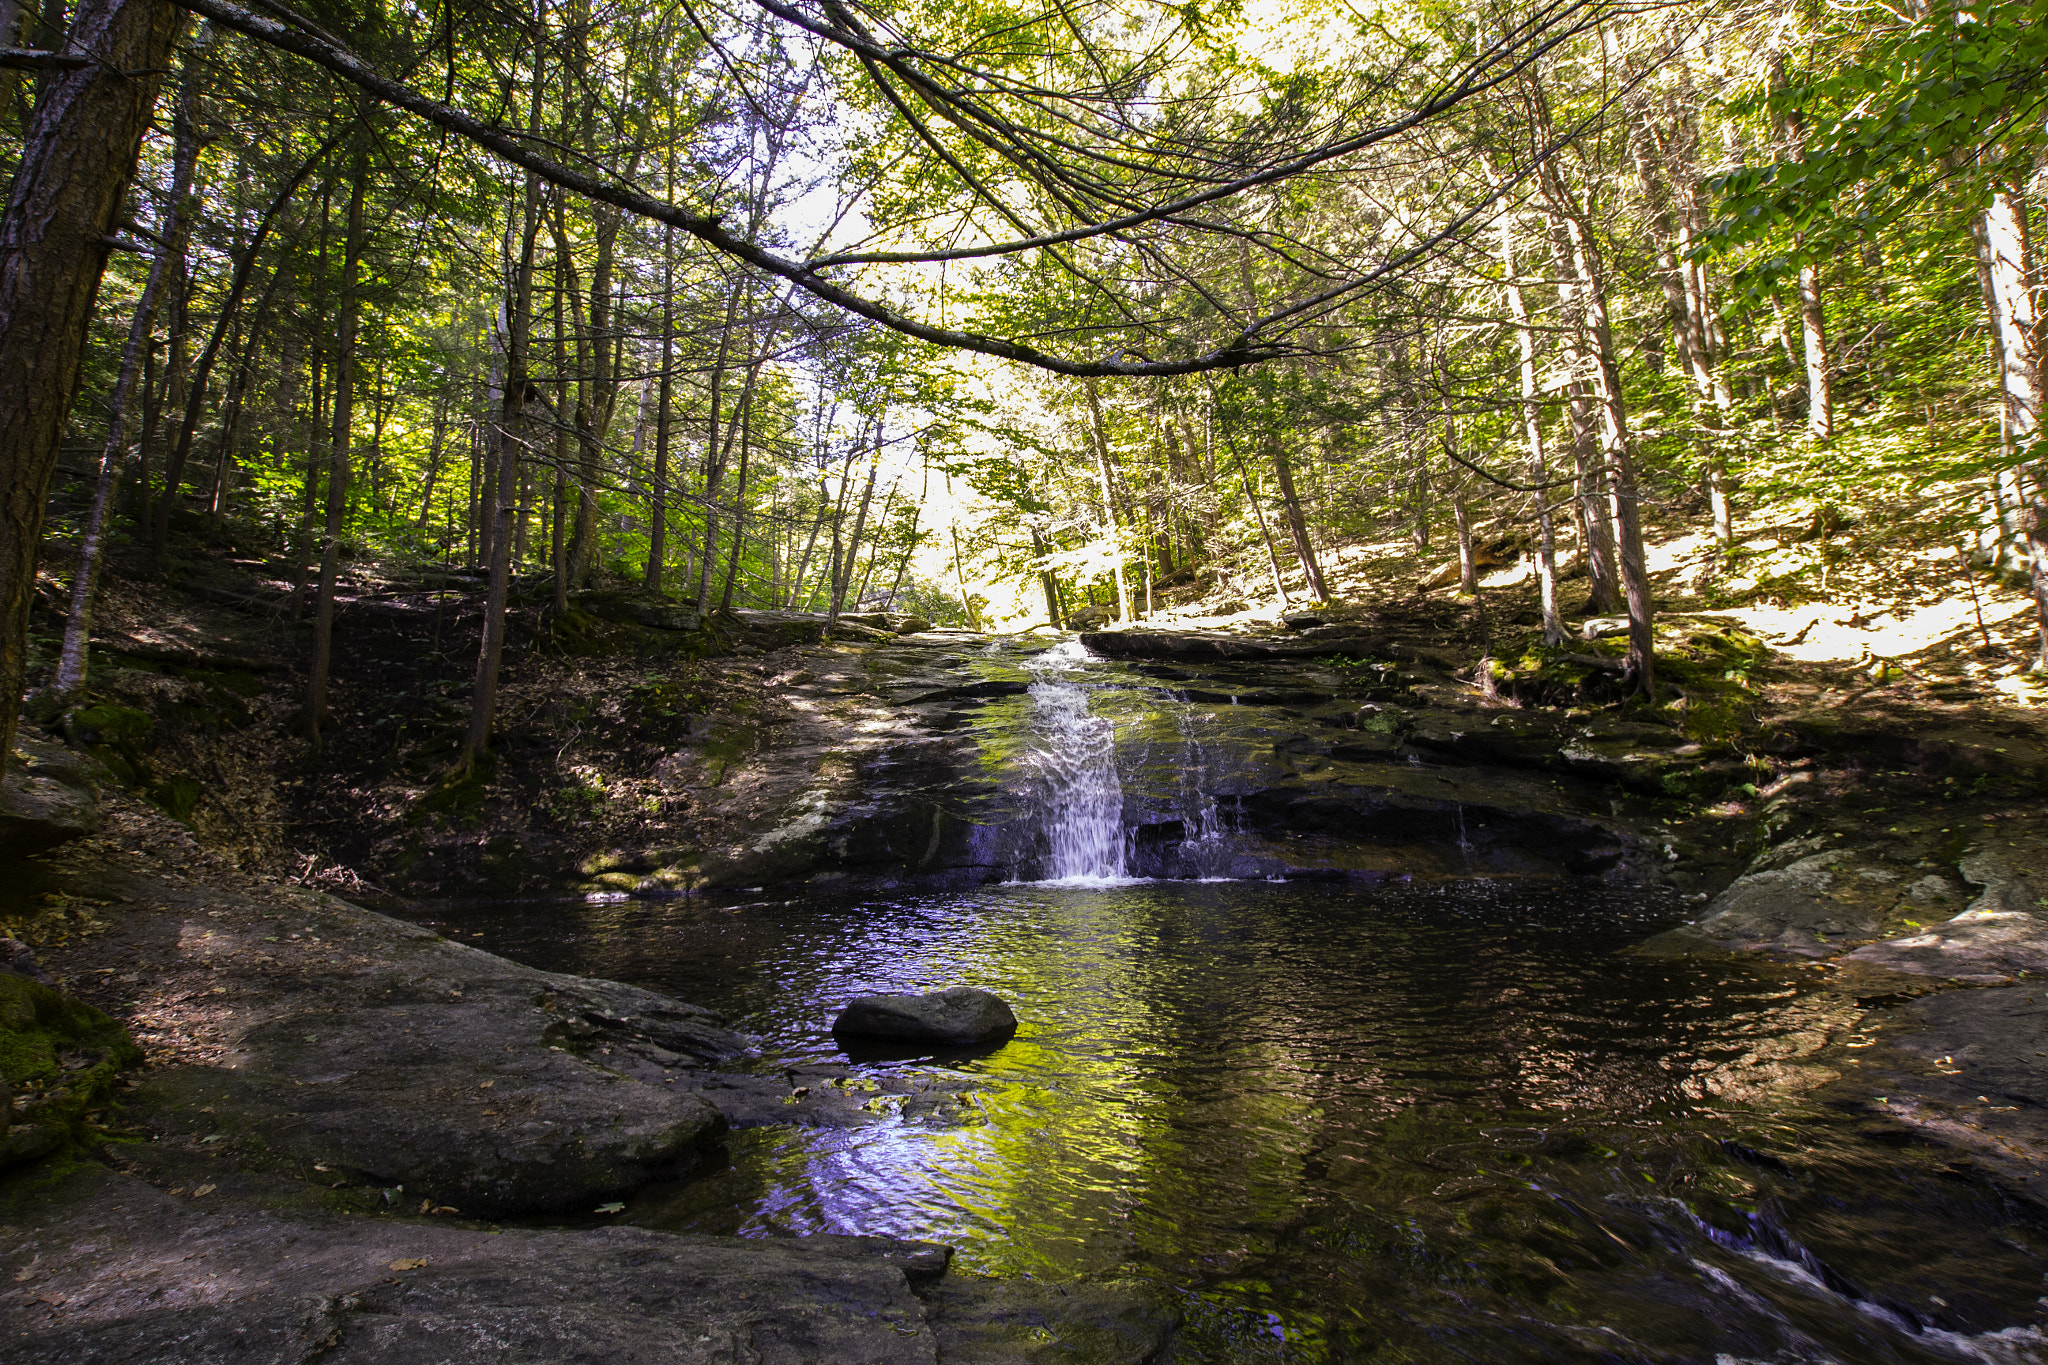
column 177, row 795
column 60, row 1053
column 462, row 791
column 38, row 1027
column 112, row 725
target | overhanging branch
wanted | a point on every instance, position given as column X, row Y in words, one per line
column 331, row 56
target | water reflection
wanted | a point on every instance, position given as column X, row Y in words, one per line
column 1435, row 1122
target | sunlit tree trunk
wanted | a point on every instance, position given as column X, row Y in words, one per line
column 1468, row 563
column 1099, row 439
column 1603, row 380
column 1532, row 433
column 1813, row 336
column 2005, row 248
column 1297, row 523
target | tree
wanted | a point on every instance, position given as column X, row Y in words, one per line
column 62, row 210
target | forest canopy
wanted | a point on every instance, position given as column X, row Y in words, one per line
column 833, row 306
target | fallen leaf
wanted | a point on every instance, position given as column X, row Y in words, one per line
column 613, row 1207
column 410, row 1263
column 485, row 1085
column 203, row 1189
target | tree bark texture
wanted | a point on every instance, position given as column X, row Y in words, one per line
column 72, row 658
column 506, row 434
column 76, row 160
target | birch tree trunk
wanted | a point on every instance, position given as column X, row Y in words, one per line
column 1100, row 440
column 1532, row 432
column 2006, row 248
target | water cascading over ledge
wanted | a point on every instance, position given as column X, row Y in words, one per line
column 1076, row 786
column 1146, row 771
column 1081, row 799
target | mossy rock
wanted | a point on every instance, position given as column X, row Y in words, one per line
column 177, row 795
column 64, row 1055
column 109, row 724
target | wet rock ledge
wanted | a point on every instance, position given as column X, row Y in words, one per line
column 335, row 1104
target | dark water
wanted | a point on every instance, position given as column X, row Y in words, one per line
column 1418, row 1123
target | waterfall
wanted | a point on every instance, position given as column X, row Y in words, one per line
column 1082, row 802
column 1206, row 850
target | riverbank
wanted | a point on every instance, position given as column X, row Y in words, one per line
column 337, row 1110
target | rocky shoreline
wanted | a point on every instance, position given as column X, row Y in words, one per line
column 337, row 1111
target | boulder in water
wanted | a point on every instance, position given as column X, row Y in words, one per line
column 959, row 1015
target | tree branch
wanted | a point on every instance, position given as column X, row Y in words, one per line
column 341, row 62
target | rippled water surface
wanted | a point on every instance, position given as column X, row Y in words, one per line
column 1414, row 1123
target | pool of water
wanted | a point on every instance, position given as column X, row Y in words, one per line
column 1415, row 1122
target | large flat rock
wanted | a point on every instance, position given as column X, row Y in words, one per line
column 104, row 1268
column 294, row 1029
column 136, row 1276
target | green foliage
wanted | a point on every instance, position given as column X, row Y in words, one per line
column 1893, row 109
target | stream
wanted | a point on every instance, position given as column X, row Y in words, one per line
column 1444, row 1119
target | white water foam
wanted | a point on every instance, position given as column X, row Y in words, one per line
column 1075, row 758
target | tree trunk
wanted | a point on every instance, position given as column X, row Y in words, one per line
column 1115, row 532
column 225, row 317
column 76, row 159
column 1532, row 433
column 436, row 453
column 842, row 577
column 1297, row 524
column 72, row 658
column 1603, row 379
column 739, row 500
column 657, row 534
column 2006, row 249
column 596, row 394
column 803, row 564
column 500, row 479
column 338, row 451
column 1813, row 334
column 1265, row 533
column 1468, row 564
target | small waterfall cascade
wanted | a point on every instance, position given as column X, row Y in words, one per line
column 1075, row 758
column 1206, row 850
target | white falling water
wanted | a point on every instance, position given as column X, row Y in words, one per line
column 1206, row 850
column 1083, row 802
